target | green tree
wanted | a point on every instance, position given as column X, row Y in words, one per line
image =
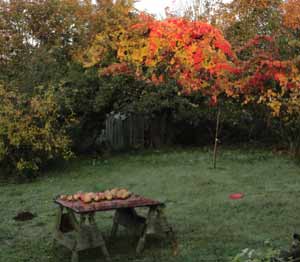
column 242, row 20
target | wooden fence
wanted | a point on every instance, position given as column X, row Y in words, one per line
column 124, row 131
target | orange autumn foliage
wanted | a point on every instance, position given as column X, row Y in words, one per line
column 197, row 56
column 266, row 79
column 291, row 14
column 193, row 53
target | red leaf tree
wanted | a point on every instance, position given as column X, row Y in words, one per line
column 193, row 53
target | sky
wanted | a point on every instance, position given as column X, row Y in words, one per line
column 156, row 7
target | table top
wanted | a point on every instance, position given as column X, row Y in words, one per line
column 132, row 202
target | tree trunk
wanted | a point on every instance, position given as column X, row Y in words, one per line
column 216, row 138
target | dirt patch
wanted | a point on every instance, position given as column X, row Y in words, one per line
column 24, row 216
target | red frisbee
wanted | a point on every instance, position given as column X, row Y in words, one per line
column 236, row 196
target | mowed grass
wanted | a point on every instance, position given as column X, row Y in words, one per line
column 209, row 226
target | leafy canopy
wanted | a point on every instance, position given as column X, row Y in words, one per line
column 193, row 53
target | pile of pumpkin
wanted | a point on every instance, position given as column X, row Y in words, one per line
column 108, row 195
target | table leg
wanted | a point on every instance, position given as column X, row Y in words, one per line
column 75, row 256
column 157, row 220
column 166, row 228
column 149, row 223
column 82, row 220
column 128, row 218
column 77, row 227
column 58, row 218
column 104, row 250
column 115, row 226
column 92, row 219
column 57, row 224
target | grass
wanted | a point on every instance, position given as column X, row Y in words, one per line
column 209, row 226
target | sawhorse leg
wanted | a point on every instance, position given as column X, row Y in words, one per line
column 156, row 215
column 149, row 224
column 103, row 247
column 84, row 236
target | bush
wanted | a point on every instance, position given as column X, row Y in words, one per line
column 33, row 129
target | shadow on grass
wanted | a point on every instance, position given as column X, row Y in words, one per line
column 122, row 248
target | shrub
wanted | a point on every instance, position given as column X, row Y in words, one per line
column 33, row 129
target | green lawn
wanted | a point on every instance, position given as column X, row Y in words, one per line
column 209, row 226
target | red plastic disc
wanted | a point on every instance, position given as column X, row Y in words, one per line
column 236, row 196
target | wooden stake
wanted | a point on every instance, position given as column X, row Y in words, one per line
column 216, row 138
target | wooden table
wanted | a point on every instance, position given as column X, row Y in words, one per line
column 82, row 234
